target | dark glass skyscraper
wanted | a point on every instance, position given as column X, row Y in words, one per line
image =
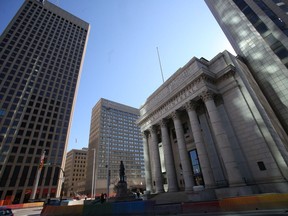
column 41, row 55
column 258, row 30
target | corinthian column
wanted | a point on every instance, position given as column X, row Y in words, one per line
column 200, row 146
column 148, row 178
column 222, row 142
column 183, row 153
column 156, row 160
column 168, row 158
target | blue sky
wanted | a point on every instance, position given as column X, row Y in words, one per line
column 121, row 62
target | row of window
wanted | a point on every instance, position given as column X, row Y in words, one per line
column 79, row 170
column 24, row 178
column 80, row 157
column 35, row 11
column 80, row 153
column 46, row 43
column 277, row 20
column 76, row 179
column 282, row 5
column 26, row 77
column 261, row 27
column 122, row 137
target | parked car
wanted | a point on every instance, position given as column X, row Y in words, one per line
column 53, row 202
column 57, row 202
column 6, row 211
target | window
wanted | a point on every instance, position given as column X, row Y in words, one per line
column 5, row 176
column 14, row 176
column 197, row 173
column 261, row 165
column 185, row 127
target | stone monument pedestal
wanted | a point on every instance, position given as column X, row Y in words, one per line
column 121, row 189
column 122, row 193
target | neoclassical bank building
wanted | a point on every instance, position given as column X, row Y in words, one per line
column 209, row 131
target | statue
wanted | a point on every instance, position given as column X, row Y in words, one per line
column 122, row 172
column 122, row 192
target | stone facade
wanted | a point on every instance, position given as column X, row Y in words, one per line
column 75, row 172
column 204, row 130
column 258, row 32
column 115, row 137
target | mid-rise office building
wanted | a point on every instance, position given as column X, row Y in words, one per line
column 206, row 133
column 41, row 55
column 75, row 172
column 258, row 30
column 114, row 137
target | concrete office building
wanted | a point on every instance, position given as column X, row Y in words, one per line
column 41, row 55
column 205, row 134
column 114, row 137
column 258, row 30
column 75, row 172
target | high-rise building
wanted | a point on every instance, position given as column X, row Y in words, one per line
column 75, row 172
column 114, row 137
column 258, row 30
column 41, row 55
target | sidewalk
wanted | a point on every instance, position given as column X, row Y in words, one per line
column 248, row 213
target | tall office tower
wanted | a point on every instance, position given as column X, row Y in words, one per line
column 75, row 172
column 41, row 55
column 258, row 30
column 114, row 137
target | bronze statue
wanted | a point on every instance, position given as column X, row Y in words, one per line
column 122, row 172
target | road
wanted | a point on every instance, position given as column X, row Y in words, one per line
column 27, row 211
column 283, row 212
column 276, row 212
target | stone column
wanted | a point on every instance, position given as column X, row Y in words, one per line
column 200, row 146
column 183, row 153
column 222, row 142
column 156, row 160
column 148, row 178
column 168, row 158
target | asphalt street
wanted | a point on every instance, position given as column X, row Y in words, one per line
column 36, row 212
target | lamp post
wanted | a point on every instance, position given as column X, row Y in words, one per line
column 63, row 172
column 38, row 176
column 62, row 185
column 93, row 190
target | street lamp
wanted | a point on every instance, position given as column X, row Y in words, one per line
column 38, row 176
column 63, row 172
column 93, row 190
column 62, row 186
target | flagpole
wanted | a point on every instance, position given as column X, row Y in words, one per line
column 38, row 176
column 160, row 64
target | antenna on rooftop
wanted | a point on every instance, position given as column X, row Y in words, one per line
column 160, row 64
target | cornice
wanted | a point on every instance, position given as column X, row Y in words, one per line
column 186, row 86
column 226, row 73
column 174, row 101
